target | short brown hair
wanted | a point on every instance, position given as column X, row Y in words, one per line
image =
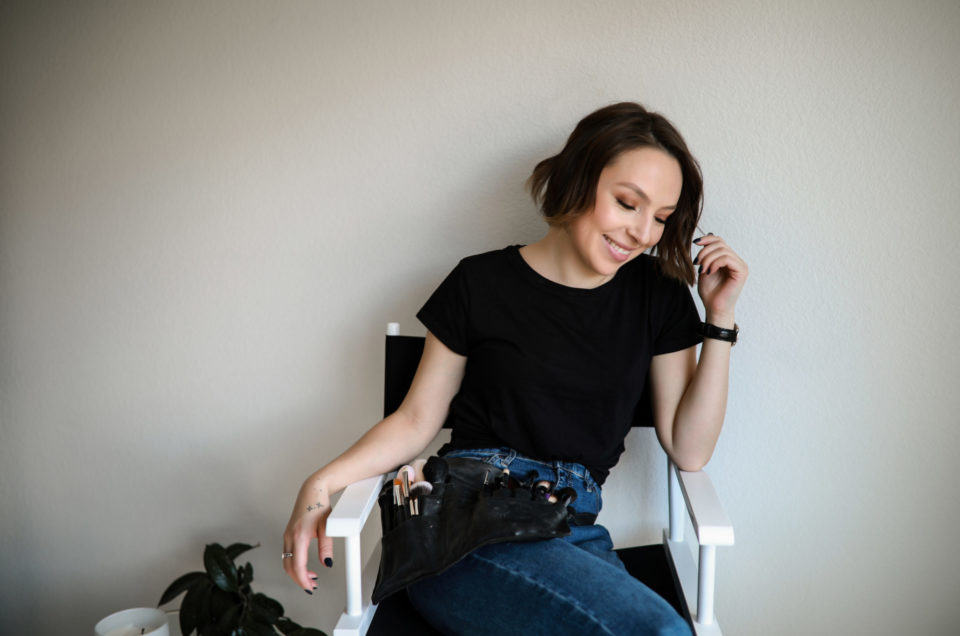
column 565, row 185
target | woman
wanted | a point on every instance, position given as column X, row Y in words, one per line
column 537, row 355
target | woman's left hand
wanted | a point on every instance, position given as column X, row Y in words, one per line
column 722, row 276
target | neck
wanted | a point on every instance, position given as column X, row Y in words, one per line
column 554, row 258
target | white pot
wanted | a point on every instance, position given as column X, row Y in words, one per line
column 134, row 622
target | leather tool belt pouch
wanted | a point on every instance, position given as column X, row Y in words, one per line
column 471, row 504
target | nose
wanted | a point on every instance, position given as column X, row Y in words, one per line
column 642, row 230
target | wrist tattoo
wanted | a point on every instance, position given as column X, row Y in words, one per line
column 316, row 506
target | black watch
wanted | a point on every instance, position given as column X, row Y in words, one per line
column 719, row 333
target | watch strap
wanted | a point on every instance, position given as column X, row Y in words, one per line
column 719, row 333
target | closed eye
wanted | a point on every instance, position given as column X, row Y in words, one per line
column 626, row 206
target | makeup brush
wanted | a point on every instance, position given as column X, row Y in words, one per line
column 417, row 465
column 567, row 496
column 542, row 489
column 409, row 471
column 398, row 497
column 418, row 490
column 421, row 488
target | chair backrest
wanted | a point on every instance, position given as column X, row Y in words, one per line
column 402, row 356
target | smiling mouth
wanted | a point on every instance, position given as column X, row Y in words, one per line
column 616, row 246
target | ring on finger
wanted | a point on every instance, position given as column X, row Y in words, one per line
column 286, row 555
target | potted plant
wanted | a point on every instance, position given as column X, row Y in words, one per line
column 219, row 601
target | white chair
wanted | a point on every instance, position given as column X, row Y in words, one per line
column 693, row 581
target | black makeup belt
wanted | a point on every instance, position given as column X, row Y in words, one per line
column 470, row 504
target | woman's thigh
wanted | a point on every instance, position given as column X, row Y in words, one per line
column 541, row 587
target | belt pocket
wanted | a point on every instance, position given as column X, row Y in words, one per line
column 468, row 507
column 582, row 519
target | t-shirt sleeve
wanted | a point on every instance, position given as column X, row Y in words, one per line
column 679, row 321
column 446, row 312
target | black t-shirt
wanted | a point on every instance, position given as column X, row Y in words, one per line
column 554, row 372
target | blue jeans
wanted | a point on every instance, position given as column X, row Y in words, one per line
column 574, row 585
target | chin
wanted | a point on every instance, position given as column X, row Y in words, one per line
column 607, row 269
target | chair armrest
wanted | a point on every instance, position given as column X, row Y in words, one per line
column 695, row 492
column 710, row 521
column 351, row 511
column 347, row 520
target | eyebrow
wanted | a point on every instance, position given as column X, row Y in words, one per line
column 642, row 194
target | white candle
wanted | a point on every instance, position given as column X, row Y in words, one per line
column 134, row 622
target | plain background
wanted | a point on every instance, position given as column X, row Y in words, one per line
column 209, row 211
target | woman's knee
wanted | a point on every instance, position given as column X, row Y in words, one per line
column 646, row 612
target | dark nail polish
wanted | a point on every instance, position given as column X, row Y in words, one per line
column 309, row 592
column 696, row 259
column 313, row 578
column 328, row 562
column 701, row 269
column 696, row 241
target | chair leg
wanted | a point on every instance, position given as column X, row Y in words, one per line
column 354, row 567
column 705, row 584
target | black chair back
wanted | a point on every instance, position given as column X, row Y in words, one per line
column 401, row 358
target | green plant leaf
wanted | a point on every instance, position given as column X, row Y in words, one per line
column 190, row 608
column 265, row 608
column 221, row 601
column 244, row 576
column 286, row 626
column 236, row 549
column 205, row 615
column 181, row 585
column 230, row 620
column 259, row 629
column 308, row 631
column 220, row 567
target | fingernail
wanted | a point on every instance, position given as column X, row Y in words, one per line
column 328, row 562
column 696, row 259
column 701, row 269
column 308, row 592
column 314, row 578
column 696, row 241
column 709, row 233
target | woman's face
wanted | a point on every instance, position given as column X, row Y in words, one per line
column 636, row 193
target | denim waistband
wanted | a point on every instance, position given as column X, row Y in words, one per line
column 563, row 473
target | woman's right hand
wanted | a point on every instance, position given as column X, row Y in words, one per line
column 308, row 521
column 395, row 440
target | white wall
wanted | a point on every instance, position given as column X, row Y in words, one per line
column 209, row 210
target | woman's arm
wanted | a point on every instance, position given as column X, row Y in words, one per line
column 395, row 440
column 689, row 401
column 690, row 396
